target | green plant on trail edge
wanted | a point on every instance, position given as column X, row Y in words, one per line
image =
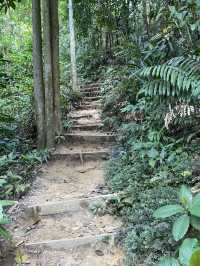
column 143, row 187
column 4, row 219
column 189, row 210
column 17, row 172
column 189, row 255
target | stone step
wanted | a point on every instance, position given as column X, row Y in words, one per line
column 95, row 103
column 89, row 99
column 89, row 106
column 86, row 121
column 91, row 93
column 68, row 244
column 87, row 127
column 76, row 115
column 90, row 137
column 91, row 85
column 90, row 90
column 65, row 206
column 74, row 228
column 67, row 180
column 84, row 114
column 98, row 254
column 102, row 154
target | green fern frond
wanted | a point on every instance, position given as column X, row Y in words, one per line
column 179, row 78
column 177, row 82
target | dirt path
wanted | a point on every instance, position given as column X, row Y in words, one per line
column 55, row 226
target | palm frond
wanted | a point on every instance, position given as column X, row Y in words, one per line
column 176, row 84
column 178, row 79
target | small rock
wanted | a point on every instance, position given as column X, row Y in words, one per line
column 99, row 253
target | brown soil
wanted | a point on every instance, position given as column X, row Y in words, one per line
column 60, row 180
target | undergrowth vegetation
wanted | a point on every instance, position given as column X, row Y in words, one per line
column 18, row 156
column 154, row 158
column 147, row 170
column 146, row 55
column 151, row 99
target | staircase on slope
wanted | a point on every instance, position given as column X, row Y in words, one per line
column 56, row 224
column 86, row 137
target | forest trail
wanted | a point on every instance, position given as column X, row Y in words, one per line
column 55, row 225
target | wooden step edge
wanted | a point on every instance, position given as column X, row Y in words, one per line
column 74, row 242
column 90, row 134
column 82, row 156
column 80, row 128
column 91, row 92
column 97, row 84
column 79, row 116
column 90, row 89
column 91, row 98
column 73, row 115
column 89, row 107
column 89, row 85
column 81, row 137
column 90, row 101
column 64, row 206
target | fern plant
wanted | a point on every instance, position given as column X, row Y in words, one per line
column 177, row 80
column 176, row 84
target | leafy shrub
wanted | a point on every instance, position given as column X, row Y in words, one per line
column 189, row 251
column 189, row 210
column 4, row 219
column 118, row 90
column 17, row 172
column 142, row 188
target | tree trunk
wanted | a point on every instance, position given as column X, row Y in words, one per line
column 38, row 73
column 55, row 64
column 72, row 47
column 145, row 16
column 48, row 77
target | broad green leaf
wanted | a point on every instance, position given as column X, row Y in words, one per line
column 168, row 210
column 186, row 250
column 195, row 206
column 168, row 262
column 195, row 222
column 195, row 258
column 180, row 227
column 185, row 196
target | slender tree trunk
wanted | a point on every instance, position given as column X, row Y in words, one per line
column 145, row 16
column 104, row 39
column 38, row 73
column 55, row 64
column 48, row 77
column 72, row 47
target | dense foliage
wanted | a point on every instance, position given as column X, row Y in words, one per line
column 146, row 53
column 18, row 157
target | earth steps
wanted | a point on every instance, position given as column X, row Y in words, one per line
column 88, row 127
column 91, row 93
column 71, row 243
column 66, row 206
column 60, row 211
